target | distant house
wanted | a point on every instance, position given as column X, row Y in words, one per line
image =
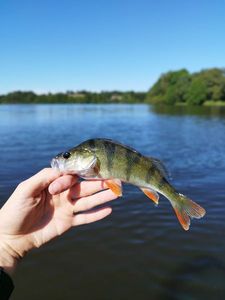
column 116, row 97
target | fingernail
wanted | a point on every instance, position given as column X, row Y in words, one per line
column 54, row 188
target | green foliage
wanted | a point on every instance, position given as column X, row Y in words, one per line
column 170, row 88
column 183, row 87
column 18, row 96
column 74, row 97
column 197, row 92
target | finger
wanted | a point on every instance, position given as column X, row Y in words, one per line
column 90, row 217
column 39, row 181
column 86, row 188
column 61, row 184
column 89, row 202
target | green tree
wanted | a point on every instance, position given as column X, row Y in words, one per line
column 197, row 92
column 194, row 89
column 214, row 80
column 170, row 88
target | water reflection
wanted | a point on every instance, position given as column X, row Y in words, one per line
column 206, row 111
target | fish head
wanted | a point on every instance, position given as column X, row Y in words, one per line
column 75, row 161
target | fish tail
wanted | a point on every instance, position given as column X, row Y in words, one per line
column 186, row 209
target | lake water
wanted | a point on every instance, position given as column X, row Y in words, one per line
column 140, row 251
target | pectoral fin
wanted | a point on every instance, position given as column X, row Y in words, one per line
column 151, row 194
column 114, row 187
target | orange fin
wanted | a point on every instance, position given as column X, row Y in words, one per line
column 114, row 187
column 183, row 219
column 186, row 209
column 151, row 194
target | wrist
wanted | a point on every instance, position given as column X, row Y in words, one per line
column 8, row 258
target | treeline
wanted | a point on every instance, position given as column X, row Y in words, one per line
column 182, row 87
column 206, row 87
column 74, row 97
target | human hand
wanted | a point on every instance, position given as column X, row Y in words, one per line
column 43, row 207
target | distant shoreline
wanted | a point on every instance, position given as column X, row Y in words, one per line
column 21, row 97
column 174, row 88
column 206, row 104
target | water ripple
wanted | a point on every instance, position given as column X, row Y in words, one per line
column 140, row 249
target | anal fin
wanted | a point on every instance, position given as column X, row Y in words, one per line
column 153, row 195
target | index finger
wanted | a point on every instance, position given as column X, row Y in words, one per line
column 61, row 184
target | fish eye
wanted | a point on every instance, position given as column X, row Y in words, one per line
column 66, row 155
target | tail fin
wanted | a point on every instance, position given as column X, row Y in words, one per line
column 186, row 209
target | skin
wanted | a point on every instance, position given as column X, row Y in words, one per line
column 44, row 207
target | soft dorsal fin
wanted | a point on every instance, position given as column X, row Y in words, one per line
column 161, row 167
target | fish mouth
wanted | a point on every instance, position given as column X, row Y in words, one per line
column 55, row 164
column 58, row 164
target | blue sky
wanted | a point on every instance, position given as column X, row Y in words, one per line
column 55, row 45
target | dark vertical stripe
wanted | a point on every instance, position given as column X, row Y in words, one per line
column 91, row 144
column 164, row 185
column 150, row 173
column 110, row 149
column 161, row 183
column 132, row 159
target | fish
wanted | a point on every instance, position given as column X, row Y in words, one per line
column 109, row 160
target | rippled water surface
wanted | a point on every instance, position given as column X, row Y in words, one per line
column 140, row 251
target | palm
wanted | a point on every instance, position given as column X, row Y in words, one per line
column 37, row 220
column 55, row 215
column 33, row 216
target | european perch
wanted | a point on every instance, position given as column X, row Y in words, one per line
column 109, row 160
